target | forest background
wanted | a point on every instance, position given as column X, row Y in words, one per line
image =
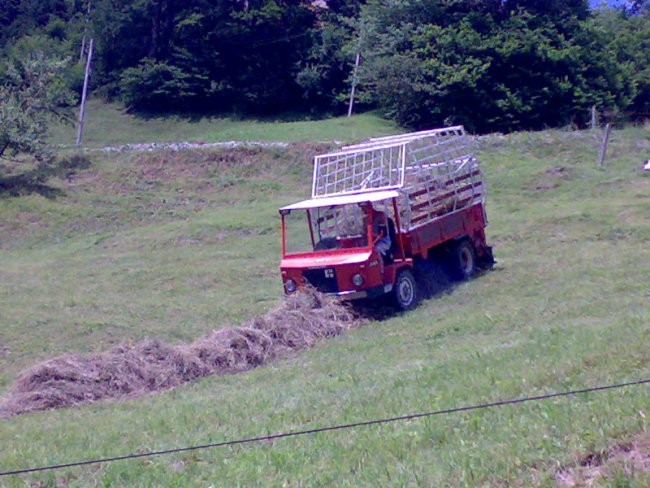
column 491, row 65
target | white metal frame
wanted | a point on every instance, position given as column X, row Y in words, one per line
column 435, row 172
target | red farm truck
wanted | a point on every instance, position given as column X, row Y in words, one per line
column 381, row 211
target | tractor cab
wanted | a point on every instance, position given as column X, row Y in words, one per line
column 346, row 245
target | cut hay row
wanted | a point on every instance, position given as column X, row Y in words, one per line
column 149, row 366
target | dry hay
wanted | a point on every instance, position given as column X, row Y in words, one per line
column 135, row 369
column 595, row 469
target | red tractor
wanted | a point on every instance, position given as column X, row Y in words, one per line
column 382, row 211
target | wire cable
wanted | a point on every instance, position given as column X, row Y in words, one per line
column 364, row 423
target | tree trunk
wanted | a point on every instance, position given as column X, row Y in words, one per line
column 154, row 48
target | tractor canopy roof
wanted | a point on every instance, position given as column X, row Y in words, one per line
column 320, row 202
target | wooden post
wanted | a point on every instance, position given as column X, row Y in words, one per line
column 603, row 149
column 594, row 118
column 84, row 94
column 354, row 83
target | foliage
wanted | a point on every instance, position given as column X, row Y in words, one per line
column 24, row 17
column 32, row 95
column 51, row 47
column 152, row 85
column 637, row 6
column 627, row 39
column 218, row 55
column 489, row 64
column 324, row 71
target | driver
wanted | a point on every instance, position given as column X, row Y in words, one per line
column 380, row 235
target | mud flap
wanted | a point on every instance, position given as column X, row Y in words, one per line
column 486, row 259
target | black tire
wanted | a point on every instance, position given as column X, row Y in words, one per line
column 463, row 260
column 405, row 290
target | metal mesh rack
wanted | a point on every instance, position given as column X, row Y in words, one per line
column 435, row 171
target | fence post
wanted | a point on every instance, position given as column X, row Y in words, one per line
column 603, row 149
column 594, row 118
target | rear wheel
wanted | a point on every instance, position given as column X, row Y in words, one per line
column 463, row 260
column 405, row 291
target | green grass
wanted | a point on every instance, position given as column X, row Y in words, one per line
column 171, row 246
column 110, row 125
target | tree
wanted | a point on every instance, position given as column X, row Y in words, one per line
column 327, row 68
column 26, row 17
column 488, row 64
column 506, row 65
column 626, row 39
column 204, row 54
column 33, row 94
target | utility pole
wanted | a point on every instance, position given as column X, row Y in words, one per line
column 84, row 94
column 354, row 83
column 83, row 39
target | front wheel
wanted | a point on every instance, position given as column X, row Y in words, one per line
column 405, row 291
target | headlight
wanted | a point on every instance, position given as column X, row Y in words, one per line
column 357, row 279
column 290, row 285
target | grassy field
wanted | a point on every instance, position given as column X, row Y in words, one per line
column 111, row 125
column 172, row 245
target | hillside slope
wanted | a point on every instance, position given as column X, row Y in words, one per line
column 172, row 245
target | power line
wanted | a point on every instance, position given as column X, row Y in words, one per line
column 364, row 423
